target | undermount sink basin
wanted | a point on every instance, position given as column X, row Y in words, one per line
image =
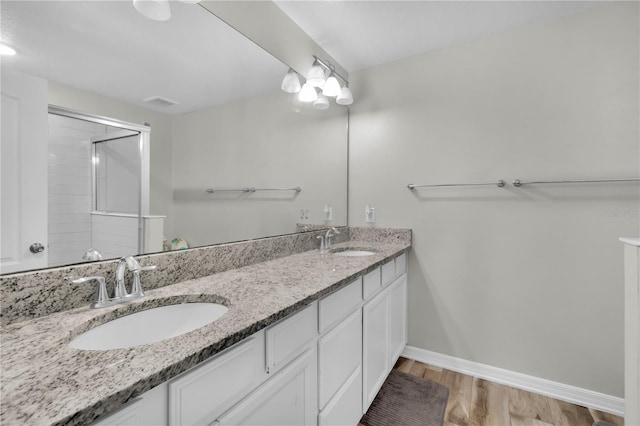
column 149, row 326
column 353, row 253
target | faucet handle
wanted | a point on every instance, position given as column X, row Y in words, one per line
column 136, row 287
column 144, row 269
column 322, row 242
column 103, row 298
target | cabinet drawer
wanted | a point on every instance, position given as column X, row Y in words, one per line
column 401, row 264
column 388, row 272
column 288, row 398
column 371, row 283
column 339, row 354
column 289, row 337
column 203, row 393
column 339, row 304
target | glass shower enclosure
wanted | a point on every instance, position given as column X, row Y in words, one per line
column 118, row 214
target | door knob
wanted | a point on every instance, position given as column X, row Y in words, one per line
column 36, row 248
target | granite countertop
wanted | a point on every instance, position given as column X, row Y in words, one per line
column 45, row 382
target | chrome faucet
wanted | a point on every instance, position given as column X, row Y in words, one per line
column 120, row 294
column 127, row 262
column 325, row 241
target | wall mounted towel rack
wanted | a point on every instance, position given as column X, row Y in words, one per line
column 500, row 183
column 518, row 183
column 251, row 189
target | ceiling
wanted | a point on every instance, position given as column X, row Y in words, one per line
column 361, row 34
column 107, row 47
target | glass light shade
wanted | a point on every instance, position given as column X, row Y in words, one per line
column 345, row 97
column 316, row 76
column 6, row 50
column 158, row 10
column 331, row 87
column 189, row 1
column 291, row 82
column 307, row 93
column 321, row 103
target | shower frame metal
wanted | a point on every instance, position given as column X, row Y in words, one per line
column 143, row 132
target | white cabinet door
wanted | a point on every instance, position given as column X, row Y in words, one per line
column 339, row 355
column 344, row 408
column 397, row 318
column 288, row 398
column 375, row 345
column 23, row 155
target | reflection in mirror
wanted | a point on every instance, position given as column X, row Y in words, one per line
column 97, row 188
column 217, row 116
column 117, row 171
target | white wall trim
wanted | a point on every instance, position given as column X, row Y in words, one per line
column 573, row 394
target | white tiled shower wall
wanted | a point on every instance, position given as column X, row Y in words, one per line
column 69, row 177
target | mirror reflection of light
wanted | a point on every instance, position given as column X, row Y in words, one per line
column 307, row 93
column 6, row 50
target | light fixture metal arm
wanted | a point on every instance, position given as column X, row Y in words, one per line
column 329, row 66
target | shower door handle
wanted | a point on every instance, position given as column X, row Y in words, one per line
column 36, row 248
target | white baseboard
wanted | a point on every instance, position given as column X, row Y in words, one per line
column 573, row 394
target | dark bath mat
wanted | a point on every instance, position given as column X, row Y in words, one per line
column 406, row 400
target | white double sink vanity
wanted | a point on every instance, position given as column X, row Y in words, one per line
column 323, row 364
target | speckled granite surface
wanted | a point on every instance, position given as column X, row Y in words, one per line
column 46, row 382
column 34, row 294
column 381, row 235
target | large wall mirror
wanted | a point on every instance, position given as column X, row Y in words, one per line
column 229, row 157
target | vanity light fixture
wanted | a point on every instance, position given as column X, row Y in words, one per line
column 345, row 97
column 309, row 91
column 316, row 76
column 331, row 87
column 291, row 82
column 6, row 50
column 321, row 103
column 158, row 10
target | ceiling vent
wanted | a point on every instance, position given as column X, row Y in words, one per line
column 160, row 101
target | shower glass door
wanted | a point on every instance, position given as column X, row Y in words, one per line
column 117, row 172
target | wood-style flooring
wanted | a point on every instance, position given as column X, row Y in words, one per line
column 478, row 402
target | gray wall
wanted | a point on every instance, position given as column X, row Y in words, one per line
column 267, row 141
column 526, row 279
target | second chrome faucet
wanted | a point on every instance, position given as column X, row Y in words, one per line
column 120, row 294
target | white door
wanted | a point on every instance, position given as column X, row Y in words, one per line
column 23, row 156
